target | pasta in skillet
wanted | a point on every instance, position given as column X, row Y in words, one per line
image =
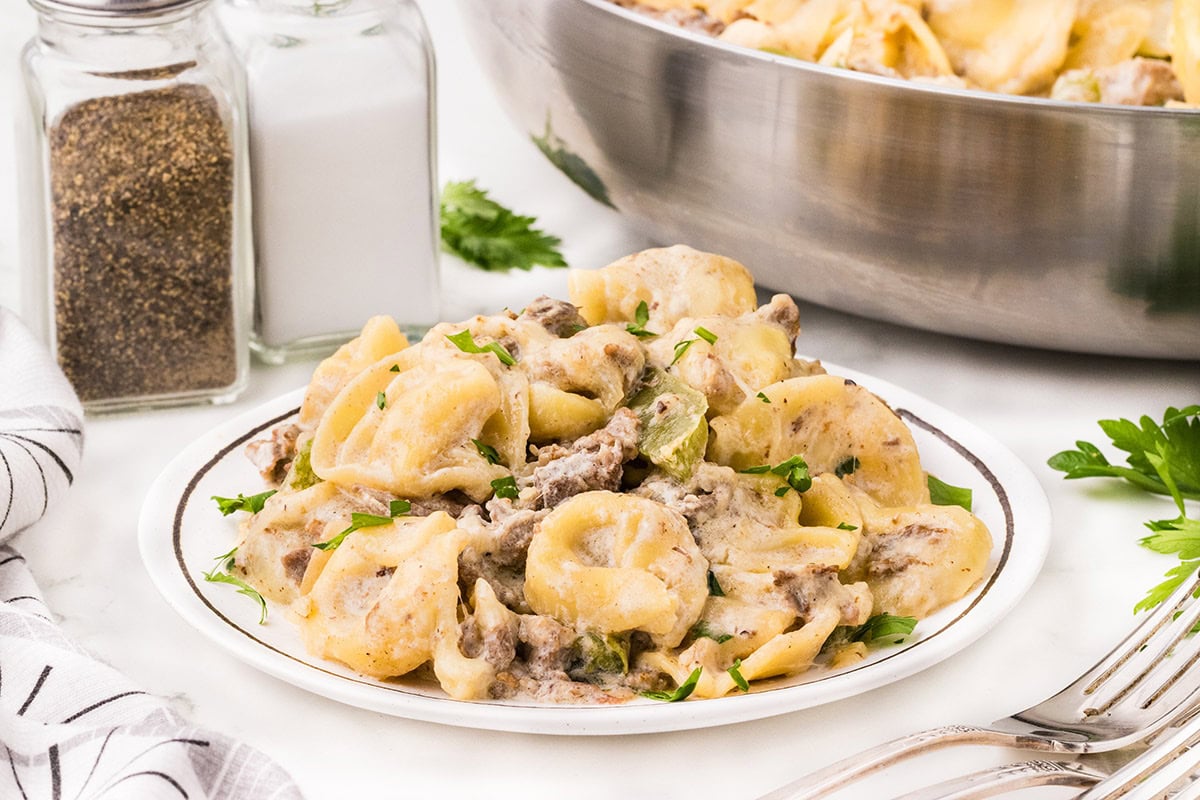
column 637, row 490
column 1128, row 52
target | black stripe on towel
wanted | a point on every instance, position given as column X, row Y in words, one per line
column 156, row 774
column 55, row 773
column 37, row 687
column 42, row 473
column 94, row 706
column 12, row 489
column 14, row 557
column 61, row 464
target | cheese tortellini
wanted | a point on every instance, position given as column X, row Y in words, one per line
column 588, row 500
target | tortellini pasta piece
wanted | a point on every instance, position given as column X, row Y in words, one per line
column 1185, row 47
column 380, row 337
column 613, row 563
column 386, row 596
column 1014, row 46
column 674, row 282
column 407, row 426
column 602, row 363
column 918, row 559
column 836, row 426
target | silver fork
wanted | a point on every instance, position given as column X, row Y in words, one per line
column 1129, row 696
column 1147, row 775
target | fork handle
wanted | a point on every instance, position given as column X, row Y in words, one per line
column 822, row 782
column 998, row 780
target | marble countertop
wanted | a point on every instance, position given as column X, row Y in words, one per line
column 86, row 558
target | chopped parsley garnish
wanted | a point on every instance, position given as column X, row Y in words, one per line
column 714, row 586
column 794, row 472
column 847, row 467
column 394, row 368
column 846, row 526
column 701, row 630
column 883, row 627
column 641, row 317
column 763, row 397
column 943, row 494
column 487, row 451
column 465, row 342
column 685, row 689
column 215, row 575
column 252, row 504
column 705, row 334
column 735, row 672
column 482, row 232
column 381, row 400
column 680, row 349
column 506, row 487
column 397, row 508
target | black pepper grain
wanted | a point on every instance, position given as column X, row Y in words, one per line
column 142, row 212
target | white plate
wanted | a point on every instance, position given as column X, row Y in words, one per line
column 181, row 532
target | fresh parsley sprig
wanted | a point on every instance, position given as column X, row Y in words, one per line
column 884, row 629
column 489, row 453
column 506, row 487
column 482, row 232
column 252, row 504
column 1176, row 441
column 702, row 630
column 945, row 494
column 683, row 691
column 735, row 672
column 1164, row 459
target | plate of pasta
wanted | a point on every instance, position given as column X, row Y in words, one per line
column 635, row 511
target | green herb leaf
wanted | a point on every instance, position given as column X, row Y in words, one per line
column 1176, row 440
column 394, row 368
column 884, row 627
column 464, row 341
column 846, row 526
column 701, row 630
column 735, row 672
column 225, row 560
column 705, row 334
column 681, row 693
column 847, row 467
column 680, row 349
column 763, row 397
column 252, row 504
column 641, row 317
column 506, row 487
column 714, row 586
column 487, row 451
column 944, row 494
column 482, row 232
column 761, row 469
column 396, row 508
column 381, row 400
column 794, row 472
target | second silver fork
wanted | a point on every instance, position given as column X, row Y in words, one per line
column 1130, row 695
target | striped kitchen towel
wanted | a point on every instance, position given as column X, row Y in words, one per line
column 72, row 727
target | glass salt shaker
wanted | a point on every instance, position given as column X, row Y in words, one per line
column 134, row 203
column 342, row 161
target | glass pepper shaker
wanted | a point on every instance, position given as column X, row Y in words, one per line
column 136, row 229
column 342, row 161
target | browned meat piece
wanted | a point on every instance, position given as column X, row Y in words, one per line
column 592, row 462
column 816, row 586
column 692, row 19
column 557, row 316
column 782, row 311
column 508, row 582
column 1137, row 82
column 496, row 645
column 545, row 646
column 274, row 456
column 295, row 562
